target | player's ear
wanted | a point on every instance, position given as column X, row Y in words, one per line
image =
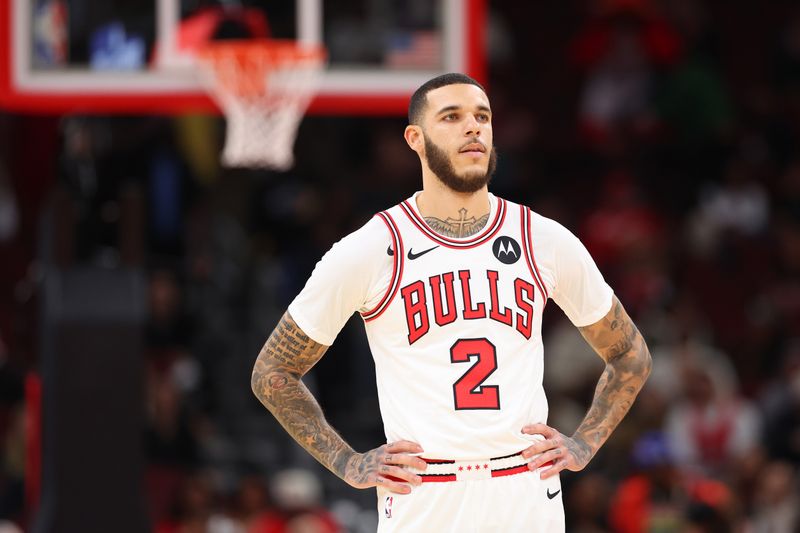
column 414, row 137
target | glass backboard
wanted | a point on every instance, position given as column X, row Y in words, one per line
column 136, row 56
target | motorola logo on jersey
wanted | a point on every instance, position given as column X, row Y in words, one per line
column 506, row 250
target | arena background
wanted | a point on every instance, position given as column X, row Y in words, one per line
column 138, row 280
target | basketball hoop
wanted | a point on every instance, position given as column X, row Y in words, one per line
column 264, row 87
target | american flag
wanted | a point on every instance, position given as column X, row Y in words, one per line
column 414, row 50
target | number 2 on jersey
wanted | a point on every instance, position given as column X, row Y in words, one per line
column 468, row 392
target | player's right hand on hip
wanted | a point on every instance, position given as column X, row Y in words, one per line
column 383, row 467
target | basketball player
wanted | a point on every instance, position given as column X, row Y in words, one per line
column 451, row 284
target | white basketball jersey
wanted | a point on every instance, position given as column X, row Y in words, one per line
column 457, row 340
column 454, row 325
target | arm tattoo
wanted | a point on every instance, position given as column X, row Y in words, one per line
column 286, row 356
column 367, row 468
column 617, row 340
column 460, row 227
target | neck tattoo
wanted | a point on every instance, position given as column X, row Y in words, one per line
column 463, row 226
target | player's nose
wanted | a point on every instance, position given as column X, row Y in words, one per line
column 473, row 126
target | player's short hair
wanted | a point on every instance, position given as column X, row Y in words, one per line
column 420, row 97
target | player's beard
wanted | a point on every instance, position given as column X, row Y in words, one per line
column 442, row 167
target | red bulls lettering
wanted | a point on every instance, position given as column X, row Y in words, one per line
column 470, row 313
column 524, row 296
column 436, row 283
column 494, row 314
column 446, row 307
column 416, row 309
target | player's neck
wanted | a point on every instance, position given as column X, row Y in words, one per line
column 451, row 213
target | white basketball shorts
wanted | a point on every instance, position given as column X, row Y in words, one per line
column 521, row 503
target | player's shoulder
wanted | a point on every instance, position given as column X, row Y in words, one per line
column 372, row 232
column 369, row 241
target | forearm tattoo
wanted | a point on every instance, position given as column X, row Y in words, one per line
column 617, row 340
column 286, row 356
column 462, row 226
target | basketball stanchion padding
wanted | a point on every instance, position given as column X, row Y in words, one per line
column 264, row 87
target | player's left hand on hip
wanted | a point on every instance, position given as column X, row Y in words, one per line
column 566, row 453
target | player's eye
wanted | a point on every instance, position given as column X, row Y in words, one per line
column 451, row 116
column 482, row 117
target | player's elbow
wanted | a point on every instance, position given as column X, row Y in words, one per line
column 255, row 381
column 269, row 382
column 259, row 380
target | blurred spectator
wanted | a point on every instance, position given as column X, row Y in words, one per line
column 692, row 97
column 621, row 221
column 196, row 511
column 168, row 326
column 710, row 427
column 694, row 22
column 93, row 209
column 740, row 206
column 298, row 493
column 625, row 235
column 661, row 496
column 9, row 527
column 676, row 329
column 589, row 499
column 500, row 46
column 170, row 438
column 777, row 502
column 704, row 518
column 693, row 104
column 654, row 497
column 252, row 509
column 620, row 49
column 75, row 194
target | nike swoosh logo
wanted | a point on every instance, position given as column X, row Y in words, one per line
column 551, row 495
column 412, row 255
column 390, row 251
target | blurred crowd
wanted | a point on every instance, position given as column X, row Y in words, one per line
column 664, row 134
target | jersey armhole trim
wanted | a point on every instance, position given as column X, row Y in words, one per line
column 397, row 268
column 527, row 245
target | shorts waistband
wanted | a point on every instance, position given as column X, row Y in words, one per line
column 444, row 470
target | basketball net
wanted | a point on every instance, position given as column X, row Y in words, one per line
column 264, row 88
